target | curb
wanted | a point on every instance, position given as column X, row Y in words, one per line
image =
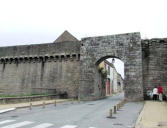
column 25, row 106
column 40, row 104
column 7, row 110
column 137, row 124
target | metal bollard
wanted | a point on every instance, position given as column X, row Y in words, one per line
column 110, row 112
column 120, row 105
column 72, row 101
column 123, row 102
column 115, row 109
column 43, row 105
column 55, row 103
column 30, row 106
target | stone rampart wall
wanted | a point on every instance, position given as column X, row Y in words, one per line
column 37, row 69
column 154, row 63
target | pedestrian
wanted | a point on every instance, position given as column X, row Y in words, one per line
column 160, row 92
column 155, row 93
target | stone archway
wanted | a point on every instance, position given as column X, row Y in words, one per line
column 126, row 47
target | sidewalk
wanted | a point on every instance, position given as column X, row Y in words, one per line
column 34, row 103
column 153, row 115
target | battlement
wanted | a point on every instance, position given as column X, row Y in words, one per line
column 41, row 49
column 155, row 42
column 37, row 59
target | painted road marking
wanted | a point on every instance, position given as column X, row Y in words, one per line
column 7, row 110
column 17, row 125
column 44, row 125
column 6, row 121
column 69, row 126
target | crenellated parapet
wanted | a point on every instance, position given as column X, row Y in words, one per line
column 63, row 51
column 155, row 42
column 38, row 59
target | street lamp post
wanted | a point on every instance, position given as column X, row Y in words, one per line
column 113, row 61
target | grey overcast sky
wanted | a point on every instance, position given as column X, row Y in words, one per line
column 42, row 21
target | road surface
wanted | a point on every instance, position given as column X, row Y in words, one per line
column 90, row 114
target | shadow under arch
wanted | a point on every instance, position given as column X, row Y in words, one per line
column 104, row 58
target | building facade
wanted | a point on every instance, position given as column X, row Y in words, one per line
column 120, row 83
column 114, row 81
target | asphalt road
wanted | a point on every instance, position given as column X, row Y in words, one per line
column 92, row 114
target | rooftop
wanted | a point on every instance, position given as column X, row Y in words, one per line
column 66, row 37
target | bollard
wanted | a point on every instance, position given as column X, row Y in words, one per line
column 72, row 101
column 115, row 109
column 110, row 112
column 30, row 106
column 43, row 105
column 123, row 102
column 55, row 103
column 120, row 105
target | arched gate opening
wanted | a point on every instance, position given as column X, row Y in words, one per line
column 111, row 71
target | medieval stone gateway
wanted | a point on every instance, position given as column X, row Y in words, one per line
column 69, row 65
column 94, row 50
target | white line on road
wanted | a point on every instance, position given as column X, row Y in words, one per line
column 44, row 125
column 69, row 126
column 17, row 125
column 7, row 110
column 6, row 121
